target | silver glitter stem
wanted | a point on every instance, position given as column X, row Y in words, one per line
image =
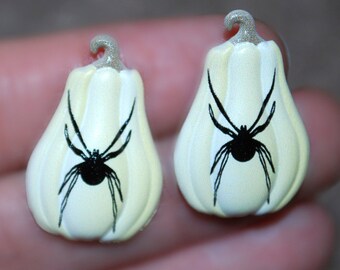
column 111, row 57
column 247, row 31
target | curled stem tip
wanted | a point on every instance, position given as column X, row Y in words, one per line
column 111, row 55
column 247, row 31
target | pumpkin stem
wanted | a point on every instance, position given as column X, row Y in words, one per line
column 111, row 57
column 247, row 31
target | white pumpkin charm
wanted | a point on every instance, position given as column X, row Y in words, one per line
column 95, row 173
column 243, row 148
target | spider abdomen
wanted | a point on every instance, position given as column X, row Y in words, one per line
column 243, row 150
column 92, row 172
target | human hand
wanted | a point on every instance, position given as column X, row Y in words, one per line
column 169, row 55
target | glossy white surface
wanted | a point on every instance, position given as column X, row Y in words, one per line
column 241, row 76
column 101, row 100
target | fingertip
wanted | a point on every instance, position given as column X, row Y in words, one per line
column 321, row 115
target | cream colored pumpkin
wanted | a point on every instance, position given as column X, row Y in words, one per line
column 242, row 73
column 101, row 99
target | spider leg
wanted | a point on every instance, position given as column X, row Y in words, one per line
column 219, row 175
column 225, row 130
column 221, row 151
column 120, row 150
column 64, row 201
column 219, row 104
column 268, row 156
column 74, row 123
column 264, row 104
column 266, row 153
column 77, row 151
column 264, row 166
column 112, row 175
column 74, row 170
column 121, row 130
column 263, row 126
column 114, row 204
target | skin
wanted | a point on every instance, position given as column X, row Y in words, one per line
column 169, row 55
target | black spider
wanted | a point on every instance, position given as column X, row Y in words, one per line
column 243, row 146
column 93, row 169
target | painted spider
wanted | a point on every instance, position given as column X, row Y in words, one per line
column 93, row 170
column 242, row 146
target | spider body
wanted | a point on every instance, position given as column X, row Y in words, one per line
column 242, row 148
column 93, row 170
column 242, row 145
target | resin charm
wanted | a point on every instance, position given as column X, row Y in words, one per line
column 95, row 172
column 243, row 148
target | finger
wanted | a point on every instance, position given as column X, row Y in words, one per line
column 305, row 232
column 176, row 225
column 169, row 54
column 321, row 116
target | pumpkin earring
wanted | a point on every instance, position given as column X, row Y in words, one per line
column 95, row 173
column 243, row 148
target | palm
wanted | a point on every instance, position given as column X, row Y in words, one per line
column 298, row 237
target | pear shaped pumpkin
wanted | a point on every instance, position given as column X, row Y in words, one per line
column 243, row 148
column 95, row 173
